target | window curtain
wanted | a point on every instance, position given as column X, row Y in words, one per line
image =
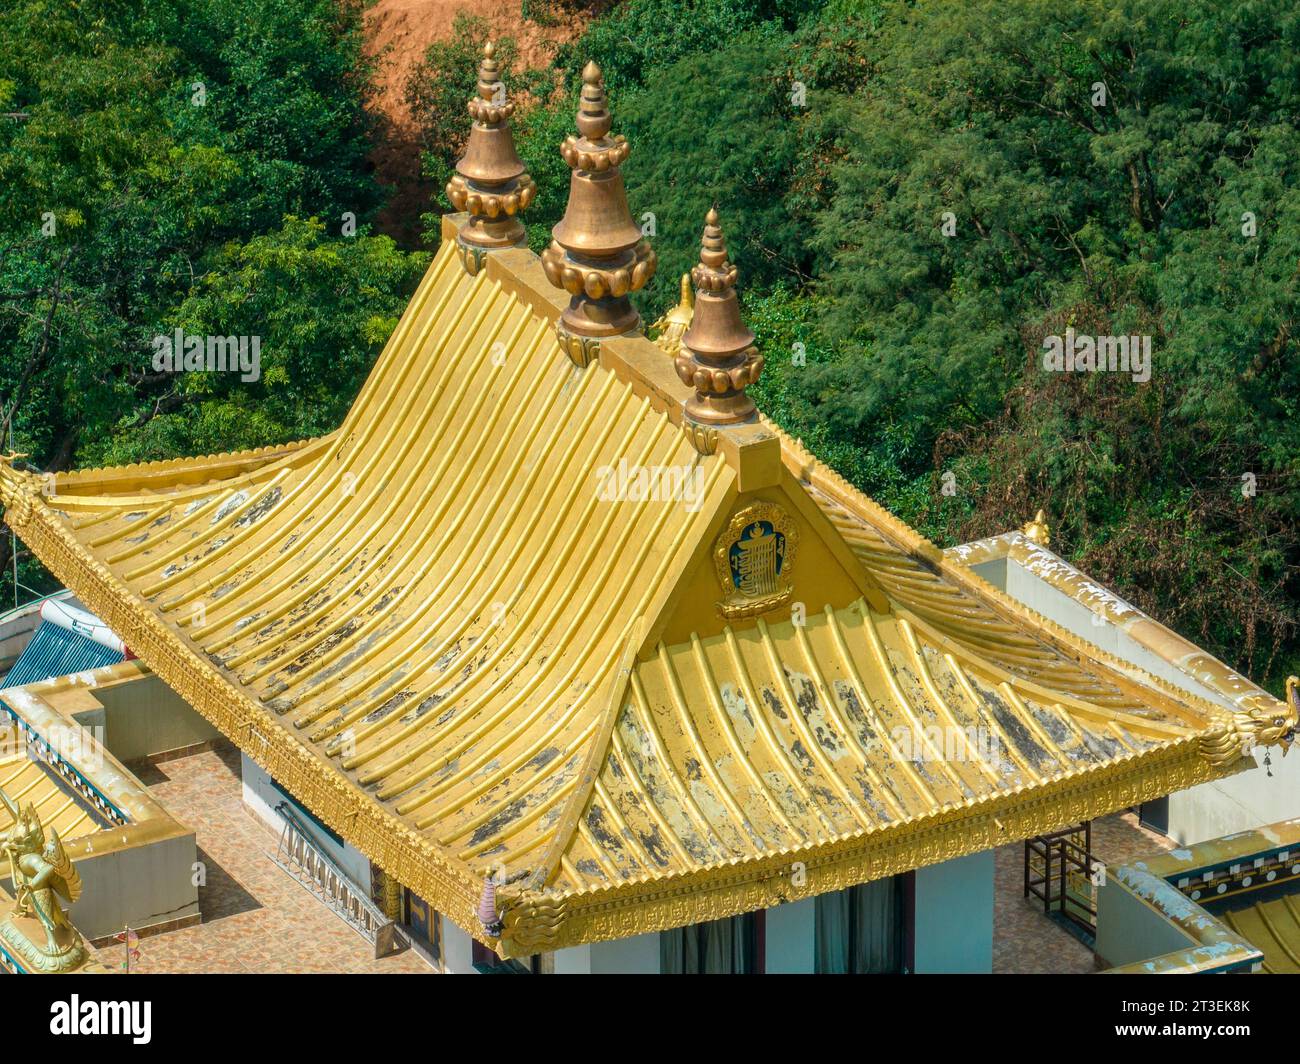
column 720, row 947
column 860, row 930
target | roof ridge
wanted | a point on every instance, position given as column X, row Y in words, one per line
column 814, row 473
column 567, row 823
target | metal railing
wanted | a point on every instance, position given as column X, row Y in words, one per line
column 41, row 750
column 302, row 855
column 1059, row 872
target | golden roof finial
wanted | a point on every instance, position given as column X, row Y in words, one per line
column 674, row 323
column 718, row 357
column 598, row 254
column 490, row 180
column 593, row 110
column 1037, row 530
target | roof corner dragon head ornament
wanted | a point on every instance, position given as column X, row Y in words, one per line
column 1283, row 728
column 1240, row 732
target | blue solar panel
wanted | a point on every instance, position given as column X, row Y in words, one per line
column 58, row 651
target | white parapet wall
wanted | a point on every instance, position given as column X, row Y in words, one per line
column 145, row 718
column 1049, row 585
column 149, row 886
column 140, row 869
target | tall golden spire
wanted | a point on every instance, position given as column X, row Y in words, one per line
column 490, row 180
column 718, row 357
column 598, row 254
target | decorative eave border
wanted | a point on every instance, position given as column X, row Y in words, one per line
column 446, row 883
column 547, row 921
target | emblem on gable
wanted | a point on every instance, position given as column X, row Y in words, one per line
column 753, row 558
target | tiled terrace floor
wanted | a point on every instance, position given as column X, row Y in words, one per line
column 1025, row 940
column 255, row 917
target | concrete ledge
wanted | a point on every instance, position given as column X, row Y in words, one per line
column 160, row 928
column 140, row 872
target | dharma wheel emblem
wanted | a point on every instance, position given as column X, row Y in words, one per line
column 753, row 559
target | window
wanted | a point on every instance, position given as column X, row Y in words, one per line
column 861, row 930
column 306, row 814
column 720, row 947
column 424, row 924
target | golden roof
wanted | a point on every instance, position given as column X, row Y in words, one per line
column 27, row 781
column 506, row 619
column 1274, row 928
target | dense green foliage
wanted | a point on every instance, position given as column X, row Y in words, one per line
column 917, row 195
column 159, row 164
column 958, row 182
column 1117, row 168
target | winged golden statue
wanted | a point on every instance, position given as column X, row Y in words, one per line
column 42, row 874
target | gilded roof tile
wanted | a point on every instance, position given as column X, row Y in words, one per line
column 442, row 632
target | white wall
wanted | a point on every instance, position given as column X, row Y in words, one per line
column 1239, row 803
column 139, row 886
column 791, row 938
column 576, row 960
column 1130, row 930
column 146, row 717
column 261, row 798
column 954, row 915
column 638, row 955
column 457, row 950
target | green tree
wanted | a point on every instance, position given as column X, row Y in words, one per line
column 147, row 146
column 274, row 287
column 1011, row 170
column 439, row 88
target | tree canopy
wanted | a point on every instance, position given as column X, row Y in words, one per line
column 922, row 199
column 194, row 164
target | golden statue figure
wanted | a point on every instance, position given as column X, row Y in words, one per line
column 1037, row 530
column 38, row 931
